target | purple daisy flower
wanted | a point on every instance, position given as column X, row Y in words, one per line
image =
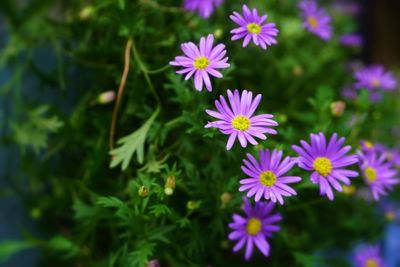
column 369, row 256
column 204, row 7
column 202, row 62
column 327, row 162
column 316, row 20
column 368, row 146
column 374, row 77
column 254, row 227
column 377, row 172
column 266, row 178
column 252, row 27
column 393, row 156
column 351, row 39
column 237, row 120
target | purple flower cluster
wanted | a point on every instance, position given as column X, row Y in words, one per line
column 326, row 159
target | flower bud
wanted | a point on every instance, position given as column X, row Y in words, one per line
column 153, row 263
column 143, row 191
column 192, row 205
column 349, row 190
column 169, row 185
column 337, row 108
column 218, row 33
column 86, row 12
column 298, row 70
column 225, row 199
column 106, row 97
column 36, row 213
column 390, row 216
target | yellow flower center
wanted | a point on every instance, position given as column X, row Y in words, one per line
column 201, row 63
column 254, row 28
column 312, row 21
column 376, row 83
column 370, row 174
column 241, row 123
column 368, row 144
column 267, row 178
column 323, row 166
column 253, row 226
column 371, row 263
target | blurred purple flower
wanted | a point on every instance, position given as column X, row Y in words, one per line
column 377, row 173
column 374, row 77
column 316, row 20
column 349, row 93
column 203, row 7
column 254, row 228
column 326, row 161
column 237, row 120
column 252, row 27
column 346, row 7
column 351, row 39
column 368, row 256
column 266, row 177
column 202, row 62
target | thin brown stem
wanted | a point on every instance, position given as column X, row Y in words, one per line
column 121, row 89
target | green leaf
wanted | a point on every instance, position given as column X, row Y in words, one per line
column 36, row 130
column 123, row 211
column 131, row 144
column 62, row 244
column 121, row 4
column 305, row 260
column 11, row 247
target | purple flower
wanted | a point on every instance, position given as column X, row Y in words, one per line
column 204, row 7
column 237, row 120
column 347, row 8
column 202, row 62
column 393, row 156
column 266, row 178
column 374, row 77
column 369, row 256
column 368, row 146
column 377, row 173
column 326, row 161
column 254, row 228
column 351, row 39
column 252, row 27
column 316, row 20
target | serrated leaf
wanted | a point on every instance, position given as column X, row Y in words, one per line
column 131, row 144
column 123, row 211
column 35, row 131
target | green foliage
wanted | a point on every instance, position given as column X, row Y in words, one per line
column 11, row 247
